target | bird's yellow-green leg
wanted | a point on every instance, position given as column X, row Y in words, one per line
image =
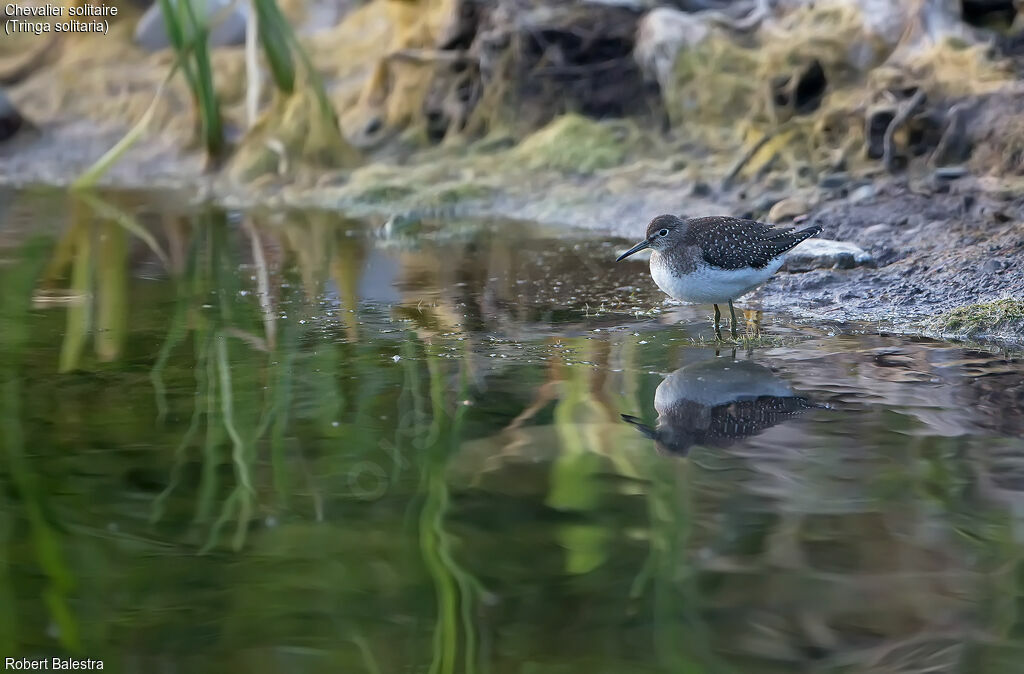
column 732, row 310
column 757, row 323
column 718, row 323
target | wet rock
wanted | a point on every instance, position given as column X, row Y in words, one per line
column 992, row 266
column 863, row 193
column 827, row 254
column 229, row 30
column 915, row 222
column 661, row 35
column 11, row 120
column 878, row 231
column 947, row 173
column 834, row 181
column 845, row 261
column 788, row 209
column 885, row 255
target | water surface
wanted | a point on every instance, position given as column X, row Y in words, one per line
column 285, row 442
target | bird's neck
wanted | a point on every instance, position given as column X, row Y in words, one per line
column 678, row 260
column 660, row 258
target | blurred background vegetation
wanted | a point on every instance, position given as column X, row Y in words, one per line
column 789, row 89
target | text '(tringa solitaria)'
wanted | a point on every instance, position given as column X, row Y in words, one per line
column 715, row 259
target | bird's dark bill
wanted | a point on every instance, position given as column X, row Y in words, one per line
column 635, row 249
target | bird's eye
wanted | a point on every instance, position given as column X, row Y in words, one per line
column 663, row 232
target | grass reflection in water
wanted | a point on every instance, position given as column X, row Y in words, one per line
column 277, row 441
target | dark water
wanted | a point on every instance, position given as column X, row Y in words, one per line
column 282, row 443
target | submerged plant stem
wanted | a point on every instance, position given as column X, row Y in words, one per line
column 93, row 174
column 240, row 454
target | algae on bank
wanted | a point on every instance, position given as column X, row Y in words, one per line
column 574, row 144
column 986, row 319
column 297, row 132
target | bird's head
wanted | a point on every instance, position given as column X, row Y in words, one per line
column 662, row 233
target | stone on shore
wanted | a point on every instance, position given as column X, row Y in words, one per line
column 228, row 30
column 788, row 209
column 827, row 254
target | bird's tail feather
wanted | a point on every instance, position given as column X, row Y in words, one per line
column 788, row 239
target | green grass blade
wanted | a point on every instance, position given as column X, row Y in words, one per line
column 275, row 36
column 111, row 294
column 79, row 316
column 211, row 125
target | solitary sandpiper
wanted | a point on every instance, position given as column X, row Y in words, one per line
column 716, row 259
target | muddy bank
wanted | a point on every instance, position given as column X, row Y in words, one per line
column 934, row 248
column 935, row 245
column 939, row 240
column 933, row 252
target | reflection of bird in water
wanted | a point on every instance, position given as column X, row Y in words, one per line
column 718, row 402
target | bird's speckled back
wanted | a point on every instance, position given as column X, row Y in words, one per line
column 733, row 243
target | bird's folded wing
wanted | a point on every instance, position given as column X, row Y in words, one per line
column 731, row 243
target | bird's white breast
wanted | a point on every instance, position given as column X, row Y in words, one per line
column 707, row 284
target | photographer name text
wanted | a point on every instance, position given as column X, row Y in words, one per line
column 50, row 664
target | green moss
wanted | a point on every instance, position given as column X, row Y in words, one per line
column 456, row 193
column 495, row 142
column 383, row 193
column 573, row 143
column 716, row 82
column 959, row 44
column 1006, row 315
column 296, row 131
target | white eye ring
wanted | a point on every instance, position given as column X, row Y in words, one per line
column 663, row 232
